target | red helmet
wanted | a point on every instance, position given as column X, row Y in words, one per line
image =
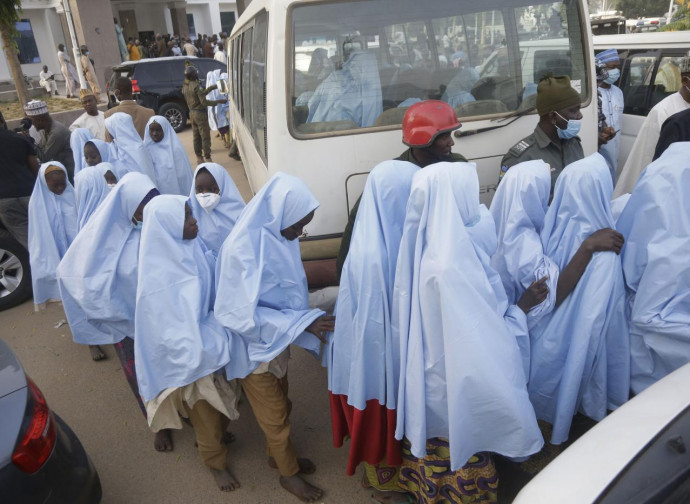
column 425, row 120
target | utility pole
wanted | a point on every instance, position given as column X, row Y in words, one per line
column 75, row 45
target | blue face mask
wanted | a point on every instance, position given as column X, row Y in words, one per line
column 614, row 75
column 571, row 130
column 137, row 225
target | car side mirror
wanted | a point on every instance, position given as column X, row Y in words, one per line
column 222, row 86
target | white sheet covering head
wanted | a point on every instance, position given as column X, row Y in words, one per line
column 104, row 148
column 98, row 275
column 178, row 340
column 217, row 114
column 52, row 228
column 364, row 360
column 170, row 161
column 128, row 153
column 519, row 208
column 461, row 371
column 215, row 226
column 261, row 285
column 656, row 226
column 91, row 189
column 77, row 139
column 580, row 352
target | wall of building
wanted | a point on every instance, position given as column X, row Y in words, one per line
column 149, row 15
column 47, row 31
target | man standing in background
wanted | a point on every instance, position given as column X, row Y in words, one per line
column 612, row 106
column 92, row 118
column 127, row 104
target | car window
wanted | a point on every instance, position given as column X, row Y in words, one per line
column 635, row 82
column 660, row 473
column 667, row 79
column 151, row 74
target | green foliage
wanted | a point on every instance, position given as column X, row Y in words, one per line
column 634, row 9
column 680, row 21
column 9, row 15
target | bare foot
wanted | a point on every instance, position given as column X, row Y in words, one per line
column 392, row 497
column 163, row 441
column 96, row 352
column 225, row 480
column 306, row 466
column 300, row 488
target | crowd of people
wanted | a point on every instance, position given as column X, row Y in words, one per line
column 461, row 334
column 203, row 46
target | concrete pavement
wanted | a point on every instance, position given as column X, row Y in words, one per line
column 95, row 400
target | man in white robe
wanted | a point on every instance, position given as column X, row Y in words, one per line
column 92, row 119
column 47, row 80
column 612, row 105
column 643, row 149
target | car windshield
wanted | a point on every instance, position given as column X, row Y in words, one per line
column 361, row 64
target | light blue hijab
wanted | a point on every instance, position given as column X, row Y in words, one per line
column 98, row 275
column 364, row 361
column 52, row 228
column 91, row 189
column 519, row 208
column 77, row 140
column 352, row 93
column 580, row 352
column 128, row 153
column 170, row 161
column 461, row 370
column 178, row 340
column 217, row 114
column 656, row 225
column 261, row 285
column 215, row 226
column 104, row 148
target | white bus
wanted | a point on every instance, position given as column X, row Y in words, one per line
column 318, row 89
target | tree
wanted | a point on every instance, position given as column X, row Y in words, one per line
column 9, row 15
column 634, row 9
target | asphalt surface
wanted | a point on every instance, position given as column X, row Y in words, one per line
column 95, row 400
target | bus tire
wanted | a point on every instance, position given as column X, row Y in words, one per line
column 176, row 115
column 15, row 272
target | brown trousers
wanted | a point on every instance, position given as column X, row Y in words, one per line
column 209, row 426
column 268, row 398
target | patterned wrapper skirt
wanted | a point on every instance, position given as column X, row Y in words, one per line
column 431, row 480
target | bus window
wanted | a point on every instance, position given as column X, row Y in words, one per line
column 635, row 82
column 358, row 65
column 258, row 84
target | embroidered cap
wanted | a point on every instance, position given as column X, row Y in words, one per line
column 35, row 108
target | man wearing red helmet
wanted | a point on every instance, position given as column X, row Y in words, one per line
column 426, row 129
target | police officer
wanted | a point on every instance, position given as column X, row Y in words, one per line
column 426, row 130
column 555, row 139
column 195, row 96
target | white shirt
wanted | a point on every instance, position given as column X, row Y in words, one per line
column 95, row 124
column 220, row 56
column 642, row 151
column 44, row 76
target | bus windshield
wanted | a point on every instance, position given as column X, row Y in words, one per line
column 360, row 64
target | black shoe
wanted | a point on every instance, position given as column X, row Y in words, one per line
column 57, row 94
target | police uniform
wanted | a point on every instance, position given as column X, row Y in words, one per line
column 195, row 96
column 539, row 146
column 554, row 93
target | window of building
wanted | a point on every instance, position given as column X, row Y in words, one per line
column 190, row 25
column 26, row 43
column 227, row 21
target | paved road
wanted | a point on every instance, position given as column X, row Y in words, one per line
column 94, row 399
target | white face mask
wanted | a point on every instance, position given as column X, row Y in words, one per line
column 110, row 186
column 208, row 201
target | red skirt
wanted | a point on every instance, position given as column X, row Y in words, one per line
column 371, row 432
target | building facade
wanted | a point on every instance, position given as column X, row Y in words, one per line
column 43, row 26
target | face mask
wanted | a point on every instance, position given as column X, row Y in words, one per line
column 614, row 75
column 110, row 186
column 138, row 225
column 571, row 130
column 208, row 201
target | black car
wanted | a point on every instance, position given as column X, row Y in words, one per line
column 41, row 459
column 157, row 84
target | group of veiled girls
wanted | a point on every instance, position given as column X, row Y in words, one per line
column 456, row 327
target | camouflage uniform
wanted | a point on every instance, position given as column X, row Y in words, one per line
column 195, row 96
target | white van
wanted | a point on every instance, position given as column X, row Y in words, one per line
column 319, row 88
column 649, row 73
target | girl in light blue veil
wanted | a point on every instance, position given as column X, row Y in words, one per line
column 170, row 161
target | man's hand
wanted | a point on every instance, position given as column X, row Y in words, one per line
column 321, row 326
